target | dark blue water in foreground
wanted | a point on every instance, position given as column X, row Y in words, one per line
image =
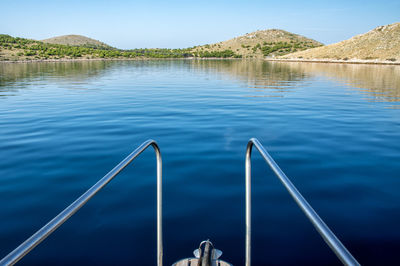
column 334, row 130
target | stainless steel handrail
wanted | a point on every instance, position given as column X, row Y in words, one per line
column 57, row 221
column 333, row 242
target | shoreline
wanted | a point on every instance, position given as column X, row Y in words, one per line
column 335, row 61
column 324, row 61
column 77, row 60
column 111, row 59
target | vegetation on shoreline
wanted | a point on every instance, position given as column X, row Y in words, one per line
column 17, row 49
column 253, row 45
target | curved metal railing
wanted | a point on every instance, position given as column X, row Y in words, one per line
column 333, row 242
column 57, row 221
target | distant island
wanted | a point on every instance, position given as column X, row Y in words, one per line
column 380, row 45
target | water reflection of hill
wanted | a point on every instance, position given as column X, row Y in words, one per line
column 267, row 79
column 10, row 72
column 264, row 79
column 382, row 82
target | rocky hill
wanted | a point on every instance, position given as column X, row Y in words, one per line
column 77, row 40
column 261, row 43
column 381, row 44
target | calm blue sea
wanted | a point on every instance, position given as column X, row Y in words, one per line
column 334, row 129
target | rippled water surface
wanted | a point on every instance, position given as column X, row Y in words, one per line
column 334, row 129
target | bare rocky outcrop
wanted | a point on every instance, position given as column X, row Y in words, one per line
column 379, row 44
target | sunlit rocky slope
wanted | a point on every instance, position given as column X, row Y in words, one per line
column 381, row 43
column 262, row 43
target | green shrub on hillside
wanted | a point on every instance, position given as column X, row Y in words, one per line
column 257, row 46
column 30, row 53
column 282, row 48
column 219, row 54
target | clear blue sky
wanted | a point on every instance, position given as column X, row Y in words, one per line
column 178, row 24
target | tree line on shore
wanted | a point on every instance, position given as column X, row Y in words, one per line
column 22, row 48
